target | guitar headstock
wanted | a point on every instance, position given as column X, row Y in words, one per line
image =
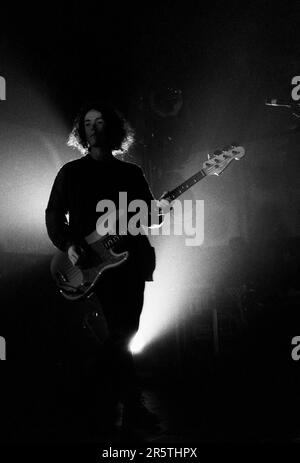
column 221, row 159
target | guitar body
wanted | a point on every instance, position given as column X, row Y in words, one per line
column 77, row 282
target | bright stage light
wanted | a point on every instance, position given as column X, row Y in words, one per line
column 28, row 169
column 136, row 345
column 168, row 297
column 33, row 148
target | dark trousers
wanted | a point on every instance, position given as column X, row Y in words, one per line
column 121, row 296
column 101, row 330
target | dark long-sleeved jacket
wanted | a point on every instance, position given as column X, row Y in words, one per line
column 79, row 186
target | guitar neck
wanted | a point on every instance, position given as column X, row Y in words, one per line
column 180, row 189
column 110, row 240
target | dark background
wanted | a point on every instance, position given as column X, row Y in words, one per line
column 217, row 53
column 227, row 59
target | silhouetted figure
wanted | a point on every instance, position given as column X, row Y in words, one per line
column 98, row 132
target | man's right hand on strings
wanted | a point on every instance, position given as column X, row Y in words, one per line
column 74, row 253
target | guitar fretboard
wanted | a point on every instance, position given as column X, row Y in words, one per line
column 111, row 240
column 221, row 159
column 170, row 196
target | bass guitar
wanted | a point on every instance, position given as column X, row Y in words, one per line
column 77, row 282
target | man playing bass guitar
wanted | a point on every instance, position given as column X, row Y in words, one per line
column 71, row 215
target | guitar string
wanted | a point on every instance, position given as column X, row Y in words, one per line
column 226, row 158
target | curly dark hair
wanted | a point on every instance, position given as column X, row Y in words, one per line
column 120, row 134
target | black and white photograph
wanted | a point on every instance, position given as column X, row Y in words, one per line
column 149, row 227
